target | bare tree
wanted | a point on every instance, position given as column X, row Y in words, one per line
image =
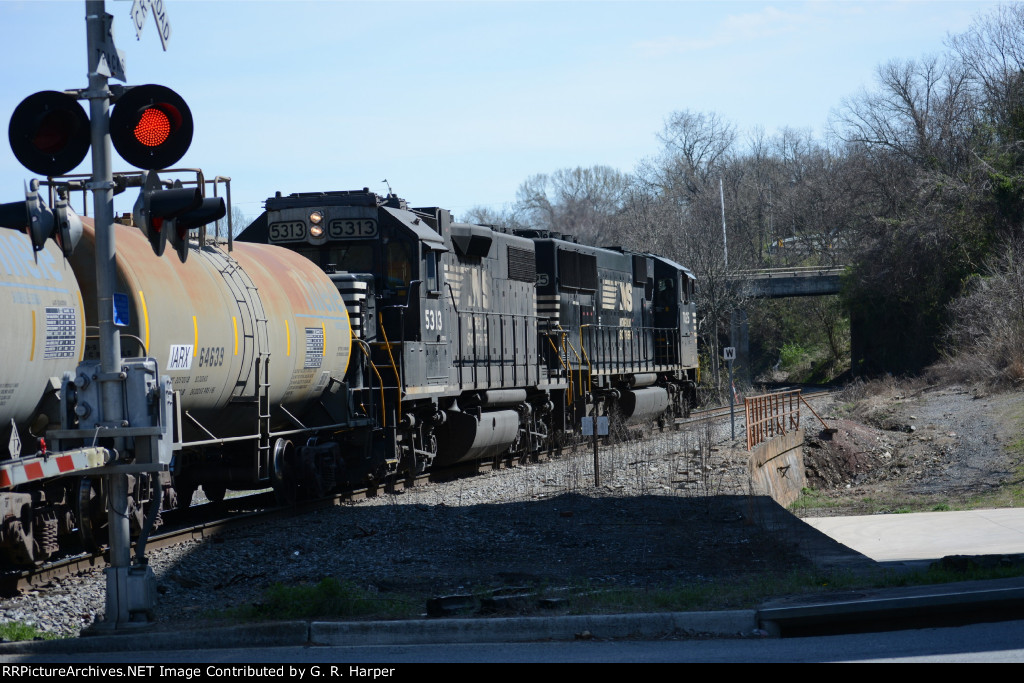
column 506, row 217
column 584, row 202
column 921, row 111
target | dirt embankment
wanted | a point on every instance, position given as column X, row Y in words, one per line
column 915, row 447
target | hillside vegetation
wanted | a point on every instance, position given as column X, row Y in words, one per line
column 917, row 187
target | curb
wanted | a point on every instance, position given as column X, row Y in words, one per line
column 734, row 623
column 724, row 624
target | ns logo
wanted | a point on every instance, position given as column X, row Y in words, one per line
column 616, row 295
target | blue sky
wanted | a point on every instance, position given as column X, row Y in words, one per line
column 456, row 103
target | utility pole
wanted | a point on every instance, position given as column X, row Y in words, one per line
column 725, row 242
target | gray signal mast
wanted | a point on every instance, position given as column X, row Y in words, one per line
column 131, row 594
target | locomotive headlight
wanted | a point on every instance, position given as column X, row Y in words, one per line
column 315, row 227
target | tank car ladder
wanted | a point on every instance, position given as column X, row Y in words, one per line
column 255, row 343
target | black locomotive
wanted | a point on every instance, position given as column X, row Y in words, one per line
column 479, row 343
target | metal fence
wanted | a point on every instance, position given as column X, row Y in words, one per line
column 770, row 415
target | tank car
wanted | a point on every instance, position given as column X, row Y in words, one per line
column 43, row 335
column 255, row 342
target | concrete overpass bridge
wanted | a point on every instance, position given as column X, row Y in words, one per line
column 776, row 283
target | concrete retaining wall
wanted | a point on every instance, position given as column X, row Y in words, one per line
column 776, row 468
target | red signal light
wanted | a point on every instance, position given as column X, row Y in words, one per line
column 151, row 127
column 49, row 133
column 154, row 128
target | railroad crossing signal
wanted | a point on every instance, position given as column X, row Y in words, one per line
column 49, row 133
column 166, row 215
column 151, row 127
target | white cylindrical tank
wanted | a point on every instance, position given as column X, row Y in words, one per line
column 208, row 320
column 42, row 326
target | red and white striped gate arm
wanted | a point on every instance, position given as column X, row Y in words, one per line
column 25, row 470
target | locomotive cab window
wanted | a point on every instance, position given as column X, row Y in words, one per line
column 666, row 297
column 399, row 265
column 342, row 258
column 430, row 279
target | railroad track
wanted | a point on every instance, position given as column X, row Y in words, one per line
column 260, row 507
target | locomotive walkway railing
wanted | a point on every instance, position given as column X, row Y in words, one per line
column 611, row 348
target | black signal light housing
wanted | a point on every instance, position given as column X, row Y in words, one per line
column 49, row 133
column 151, row 127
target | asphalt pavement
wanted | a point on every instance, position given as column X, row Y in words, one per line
column 897, row 542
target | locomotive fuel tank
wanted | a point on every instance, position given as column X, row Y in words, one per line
column 209, row 320
column 43, row 329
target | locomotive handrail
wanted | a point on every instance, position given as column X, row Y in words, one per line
column 603, row 335
column 590, row 370
column 577, row 354
column 364, row 347
column 398, row 378
column 548, row 335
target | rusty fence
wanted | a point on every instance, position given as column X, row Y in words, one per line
column 770, row 415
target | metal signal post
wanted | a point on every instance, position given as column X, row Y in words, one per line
column 102, row 186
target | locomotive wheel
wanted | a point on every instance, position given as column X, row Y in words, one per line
column 91, row 513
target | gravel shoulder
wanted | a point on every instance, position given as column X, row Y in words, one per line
column 673, row 509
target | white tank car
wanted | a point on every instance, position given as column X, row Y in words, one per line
column 207, row 321
column 42, row 328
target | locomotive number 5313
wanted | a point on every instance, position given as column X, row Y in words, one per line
column 432, row 319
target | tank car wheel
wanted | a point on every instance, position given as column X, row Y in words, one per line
column 20, row 552
column 91, row 513
column 282, row 477
column 185, row 494
column 214, row 492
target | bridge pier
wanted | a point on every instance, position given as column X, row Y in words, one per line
column 739, row 338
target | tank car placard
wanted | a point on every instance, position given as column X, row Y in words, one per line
column 314, row 347
column 61, row 332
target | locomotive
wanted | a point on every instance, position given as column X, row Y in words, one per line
column 343, row 339
column 482, row 342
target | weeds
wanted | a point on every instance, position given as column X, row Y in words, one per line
column 811, row 499
column 329, row 598
column 17, row 630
